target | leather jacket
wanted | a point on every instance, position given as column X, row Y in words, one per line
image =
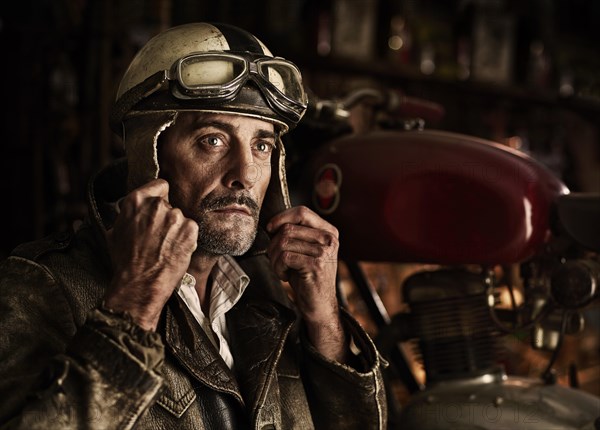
column 67, row 363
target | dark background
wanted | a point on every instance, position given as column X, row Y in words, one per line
column 63, row 60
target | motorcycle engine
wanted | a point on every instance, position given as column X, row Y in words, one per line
column 451, row 319
column 467, row 387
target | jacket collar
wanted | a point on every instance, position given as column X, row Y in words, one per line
column 258, row 331
column 259, row 326
column 104, row 189
column 189, row 344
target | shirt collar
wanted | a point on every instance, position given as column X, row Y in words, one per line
column 230, row 278
column 229, row 281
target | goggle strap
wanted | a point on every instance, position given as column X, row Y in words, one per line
column 134, row 95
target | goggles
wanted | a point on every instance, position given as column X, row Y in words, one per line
column 219, row 77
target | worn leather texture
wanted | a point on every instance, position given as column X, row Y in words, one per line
column 67, row 364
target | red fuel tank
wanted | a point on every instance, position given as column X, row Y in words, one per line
column 432, row 197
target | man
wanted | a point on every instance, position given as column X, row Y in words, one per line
column 142, row 317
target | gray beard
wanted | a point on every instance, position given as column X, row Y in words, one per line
column 225, row 242
column 217, row 240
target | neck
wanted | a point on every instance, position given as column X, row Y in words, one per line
column 200, row 267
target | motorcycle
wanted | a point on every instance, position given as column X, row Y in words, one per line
column 469, row 211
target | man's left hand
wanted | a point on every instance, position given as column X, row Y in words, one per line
column 303, row 251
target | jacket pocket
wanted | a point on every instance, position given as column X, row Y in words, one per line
column 178, row 392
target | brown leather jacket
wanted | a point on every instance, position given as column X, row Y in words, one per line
column 67, row 364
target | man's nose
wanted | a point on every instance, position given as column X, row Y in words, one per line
column 244, row 171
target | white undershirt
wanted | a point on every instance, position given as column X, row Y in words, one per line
column 229, row 283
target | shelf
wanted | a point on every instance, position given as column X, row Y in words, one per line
column 395, row 76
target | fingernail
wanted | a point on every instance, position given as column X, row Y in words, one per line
column 269, row 227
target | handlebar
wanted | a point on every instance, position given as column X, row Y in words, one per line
column 392, row 102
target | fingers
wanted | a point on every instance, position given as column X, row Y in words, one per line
column 157, row 189
column 185, row 230
column 151, row 246
column 308, row 265
column 307, row 234
column 302, row 242
column 147, row 211
column 300, row 215
column 287, row 260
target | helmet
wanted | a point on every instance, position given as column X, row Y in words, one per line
column 206, row 67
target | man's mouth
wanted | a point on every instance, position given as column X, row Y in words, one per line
column 234, row 209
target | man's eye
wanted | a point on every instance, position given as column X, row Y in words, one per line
column 264, row 147
column 212, row 141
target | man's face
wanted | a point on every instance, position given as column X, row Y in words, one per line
column 218, row 167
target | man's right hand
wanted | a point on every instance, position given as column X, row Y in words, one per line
column 150, row 244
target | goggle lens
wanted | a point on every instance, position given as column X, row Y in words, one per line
column 284, row 77
column 196, row 72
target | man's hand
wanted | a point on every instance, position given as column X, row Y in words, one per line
column 150, row 245
column 303, row 251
